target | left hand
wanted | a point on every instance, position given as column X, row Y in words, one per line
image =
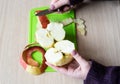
column 79, row 68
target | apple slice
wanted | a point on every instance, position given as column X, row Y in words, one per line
column 60, row 55
column 65, row 46
column 44, row 38
column 56, row 30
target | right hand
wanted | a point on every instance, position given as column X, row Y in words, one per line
column 58, row 3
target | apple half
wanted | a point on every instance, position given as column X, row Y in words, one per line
column 47, row 37
column 60, row 54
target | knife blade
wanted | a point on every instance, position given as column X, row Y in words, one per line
column 44, row 12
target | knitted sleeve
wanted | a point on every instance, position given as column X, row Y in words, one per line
column 100, row 74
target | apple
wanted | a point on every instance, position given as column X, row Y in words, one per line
column 47, row 37
column 60, row 54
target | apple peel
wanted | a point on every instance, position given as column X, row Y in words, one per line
column 31, row 65
column 79, row 22
column 42, row 20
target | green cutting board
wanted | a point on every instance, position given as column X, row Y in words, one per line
column 55, row 17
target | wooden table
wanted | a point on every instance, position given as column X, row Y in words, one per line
column 102, row 42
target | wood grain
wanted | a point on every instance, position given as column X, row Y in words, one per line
column 102, row 42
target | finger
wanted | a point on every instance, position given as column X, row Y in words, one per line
column 78, row 58
column 52, row 7
column 77, row 69
column 70, row 69
column 54, row 67
column 66, row 8
column 58, row 3
column 74, row 64
column 60, row 69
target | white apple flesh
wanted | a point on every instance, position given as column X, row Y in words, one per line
column 56, row 30
column 44, row 38
column 65, row 46
column 60, row 55
column 53, row 56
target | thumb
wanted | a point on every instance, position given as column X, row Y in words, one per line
column 60, row 69
column 58, row 3
column 82, row 62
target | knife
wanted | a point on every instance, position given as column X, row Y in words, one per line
column 44, row 12
column 48, row 11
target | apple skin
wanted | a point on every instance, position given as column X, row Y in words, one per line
column 23, row 63
column 31, row 65
column 42, row 20
column 33, row 70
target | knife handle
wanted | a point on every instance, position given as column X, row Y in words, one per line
column 60, row 9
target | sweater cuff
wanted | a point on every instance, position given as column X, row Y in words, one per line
column 96, row 72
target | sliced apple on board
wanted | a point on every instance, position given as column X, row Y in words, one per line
column 60, row 54
column 58, row 49
column 47, row 37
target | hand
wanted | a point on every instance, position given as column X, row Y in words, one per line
column 78, row 68
column 58, row 3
